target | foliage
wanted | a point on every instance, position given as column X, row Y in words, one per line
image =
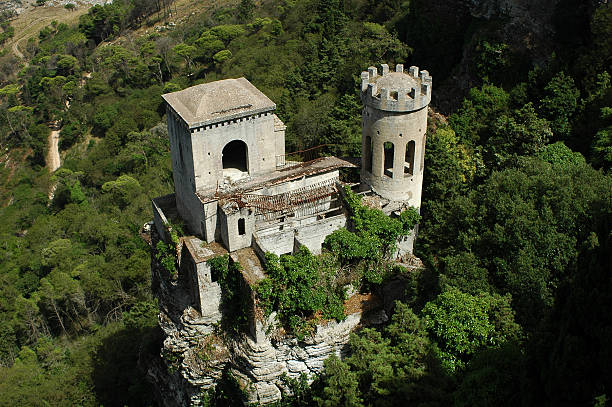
column 602, row 146
column 492, row 60
column 479, row 110
column 520, row 133
column 123, row 190
column 492, row 377
column 376, row 230
column 560, row 103
column 385, row 368
column 227, row 392
column 7, row 30
column 297, row 287
column 245, row 10
column 462, row 324
column 99, row 368
column 227, row 274
column 559, row 155
column 166, row 255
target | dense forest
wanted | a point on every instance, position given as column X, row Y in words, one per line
column 514, row 305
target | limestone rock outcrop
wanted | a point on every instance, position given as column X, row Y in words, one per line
column 196, row 351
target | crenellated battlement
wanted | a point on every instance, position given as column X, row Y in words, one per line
column 397, row 91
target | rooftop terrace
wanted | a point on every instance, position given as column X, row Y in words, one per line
column 286, row 174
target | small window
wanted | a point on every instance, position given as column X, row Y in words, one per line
column 241, row 227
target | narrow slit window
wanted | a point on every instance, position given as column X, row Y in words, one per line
column 241, row 227
column 409, row 164
column 389, row 154
column 423, row 154
column 368, row 154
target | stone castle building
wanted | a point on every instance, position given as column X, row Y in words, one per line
column 237, row 194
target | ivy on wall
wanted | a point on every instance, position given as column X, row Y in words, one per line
column 235, row 303
column 298, row 287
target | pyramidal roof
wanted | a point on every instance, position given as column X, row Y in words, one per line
column 218, row 101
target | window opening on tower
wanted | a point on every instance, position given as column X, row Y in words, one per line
column 368, row 154
column 423, row 154
column 389, row 154
column 235, row 159
column 409, row 163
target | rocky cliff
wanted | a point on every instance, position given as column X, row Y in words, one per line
column 196, row 351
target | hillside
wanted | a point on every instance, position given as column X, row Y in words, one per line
column 513, row 304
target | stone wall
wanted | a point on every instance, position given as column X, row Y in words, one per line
column 257, row 132
column 188, row 205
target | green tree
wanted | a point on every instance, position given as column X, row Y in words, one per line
column 602, row 145
column 298, row 286
column 559, row 103
column 341, row 385
column 69, row 189
column 521, row 133
column 492, row 377
column 562, row 156
column 122, row 190
column 66, row 64
column 386, row 368
column 63, row 300
column 208, row 45
column 187, row 52
column 463, row 324
column 481, row 108
column 222, row 56
column 245, row 10
column 492, row 61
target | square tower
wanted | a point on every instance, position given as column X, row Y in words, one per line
column 219, row 132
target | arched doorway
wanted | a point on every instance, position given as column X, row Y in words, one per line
column 235, row 159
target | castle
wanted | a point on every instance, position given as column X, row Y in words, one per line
column 237, row 194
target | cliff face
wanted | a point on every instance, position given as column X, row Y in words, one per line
column 525, row 24
column 526, row 27
column 196, row 351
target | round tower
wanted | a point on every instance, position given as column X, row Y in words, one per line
column 394, row 126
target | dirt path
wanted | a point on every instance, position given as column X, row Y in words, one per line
column 33, row 19
column 53, row 157
column 27, row 33
column 15, row 49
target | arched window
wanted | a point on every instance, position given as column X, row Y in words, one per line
column 409, row 163
column 389, row 154
column 235, row 156
column 368, row 154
